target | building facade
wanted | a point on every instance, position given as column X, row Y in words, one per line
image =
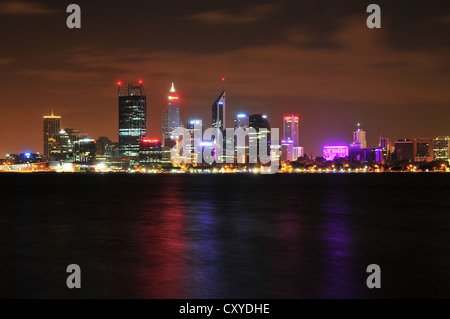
column 132, row 118
column 218, row 112
column 291, row 128
column 404, row 150
column 423, row 149
column 359, row 138
column 52, row 127
column 441, row 148
column 171, row 119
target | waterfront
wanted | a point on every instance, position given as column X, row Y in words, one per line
column 225, row 236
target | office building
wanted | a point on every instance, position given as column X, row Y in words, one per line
column 132, row 118
column 84, row 151
column 52, row 127
column 404, row 150
column 103, row 149
column 242, row 121
column 151, row 154
column 171, row 119
column 386, row 149
column 441, row 148
column 359, row 138
column 218, row 112
column 195, row 128
column 423, row 149
column 291, row 128
column 259, row 122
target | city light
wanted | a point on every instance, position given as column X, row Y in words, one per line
column 206, row 144
column 334, row 151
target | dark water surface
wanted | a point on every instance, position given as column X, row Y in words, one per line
column 225, row 236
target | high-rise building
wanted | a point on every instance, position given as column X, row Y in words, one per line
column 423, row 150
column 132, row 118
column 404, row 150
column 291, row 129
column 441, row 148
column 241, row 147
column 171, row 119
column 64, row 151
column 195, row 128
column 258, row 122
column 359, row 138
column 52, row 127
column 385, row 143
column 218, row 112
column 384, row 150
column 75, row 135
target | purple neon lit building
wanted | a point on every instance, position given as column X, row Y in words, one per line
column 334, row 151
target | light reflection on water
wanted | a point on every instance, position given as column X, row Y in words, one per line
column 247, row 236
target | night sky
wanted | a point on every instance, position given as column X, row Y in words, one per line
column 314, row 58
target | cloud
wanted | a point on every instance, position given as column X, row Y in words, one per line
column 5, row 61
column 361, row 68
column 444, row 19
column 24, row 8
column 251, row 14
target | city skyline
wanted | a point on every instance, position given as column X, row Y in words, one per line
column 320, row 62
column 125, row 87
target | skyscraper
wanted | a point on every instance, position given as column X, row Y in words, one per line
column 290, row 129
column 52, row 127
column 241, row 146
column 171, row 118
column 218, row 112
column 258, row 122
column 359, row 138
column 195, row 128
column 132, row 118
column 386, row 147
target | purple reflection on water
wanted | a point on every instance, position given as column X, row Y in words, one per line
column 204, row 279
column 339, row 273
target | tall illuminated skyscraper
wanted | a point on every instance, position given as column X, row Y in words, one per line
column 218, row 112
column 132, row 118
column 290, row 129
column 258, row 122
column 195, row 128
column 241, row 147
column 52, row 127
column 171, row 118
